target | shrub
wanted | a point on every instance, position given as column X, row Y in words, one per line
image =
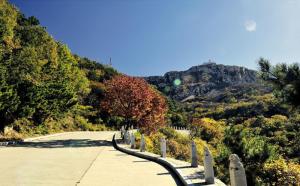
column 178, row 151
column 280, row 172
column 155, row 138
column 168, row 132
column 222, row 163
column 149, row 144
column 207, row 129
column 82, row 123
column 23, row 126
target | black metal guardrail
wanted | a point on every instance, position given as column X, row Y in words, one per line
column 175, row 174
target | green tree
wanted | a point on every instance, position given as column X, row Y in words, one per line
column 284, row 78
column 40, row 77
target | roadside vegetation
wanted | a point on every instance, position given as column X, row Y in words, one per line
column 44, row 88
column 262, row 129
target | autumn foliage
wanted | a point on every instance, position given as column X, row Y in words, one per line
column 136, row 101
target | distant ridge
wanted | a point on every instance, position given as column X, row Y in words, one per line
column 208, row 81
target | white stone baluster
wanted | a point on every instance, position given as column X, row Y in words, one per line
column 132, row 141
column 163, row 147
column 127, row 139
column 194, row 155
column 208, row 167
column 122, row 131
column 237, row 171
column 143, row 144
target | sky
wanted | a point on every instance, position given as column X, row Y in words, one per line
column 152, row 37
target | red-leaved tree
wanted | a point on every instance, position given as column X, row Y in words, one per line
column 136, row 101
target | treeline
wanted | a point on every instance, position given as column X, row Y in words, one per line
column 41, row 81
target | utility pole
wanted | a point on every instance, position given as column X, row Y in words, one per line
column 110, row 63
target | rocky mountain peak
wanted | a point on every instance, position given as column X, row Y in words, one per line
column 209, row 79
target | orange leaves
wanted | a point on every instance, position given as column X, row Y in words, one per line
column 133, row 99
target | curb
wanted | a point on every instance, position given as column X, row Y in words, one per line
column 46, row 136
column 7, row 143
column 158, row 160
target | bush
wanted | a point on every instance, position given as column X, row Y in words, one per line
column 23, row 126
column 10, row 134
column 280, row 172
column 207, row 129
column 178, row 145
column 155, row 139
column 178, row 151
column 169, row 132
column 82, row 123
column 221, row 159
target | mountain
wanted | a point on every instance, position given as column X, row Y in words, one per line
column 209, row 82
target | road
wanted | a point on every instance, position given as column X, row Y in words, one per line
column 81, row 158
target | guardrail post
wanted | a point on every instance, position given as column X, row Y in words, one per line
column 132, row 141
column 143, row 144
column 208, row 167
column 237, row 171
column 127, row 137
column 194, row 155
column 163, row 147
column 122, row 131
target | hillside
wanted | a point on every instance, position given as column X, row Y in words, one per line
column 209, row 82
column 44, row 87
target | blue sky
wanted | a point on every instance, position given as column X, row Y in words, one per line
column 151, row 37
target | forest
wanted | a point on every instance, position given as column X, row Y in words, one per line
column 45, row 88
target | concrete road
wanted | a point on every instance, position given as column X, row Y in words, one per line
column 82, row 158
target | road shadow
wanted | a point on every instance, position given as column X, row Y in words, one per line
column 141, row 161
column 69, row 143
column 163, row 173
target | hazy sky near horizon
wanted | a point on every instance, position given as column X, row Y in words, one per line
column 151, row 37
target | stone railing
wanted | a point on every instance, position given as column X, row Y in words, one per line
column 179, row 128
column 236, row 169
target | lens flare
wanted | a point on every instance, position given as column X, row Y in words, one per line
column 177, row 82
column 167, row 89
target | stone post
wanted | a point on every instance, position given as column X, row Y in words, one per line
column 163, row 147
column 132, row 141
column 131, row 127
column 122, row 131
column 237, row 171
column 194, row 155
column 208, row 167
column 127, row 137
column 143, row 144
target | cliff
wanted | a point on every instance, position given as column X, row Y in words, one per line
column 210, row 82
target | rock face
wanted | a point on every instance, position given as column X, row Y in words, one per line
column 207, row 81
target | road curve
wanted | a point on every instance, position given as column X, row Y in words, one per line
column 81, row 158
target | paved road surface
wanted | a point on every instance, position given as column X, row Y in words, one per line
column 83, row 158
